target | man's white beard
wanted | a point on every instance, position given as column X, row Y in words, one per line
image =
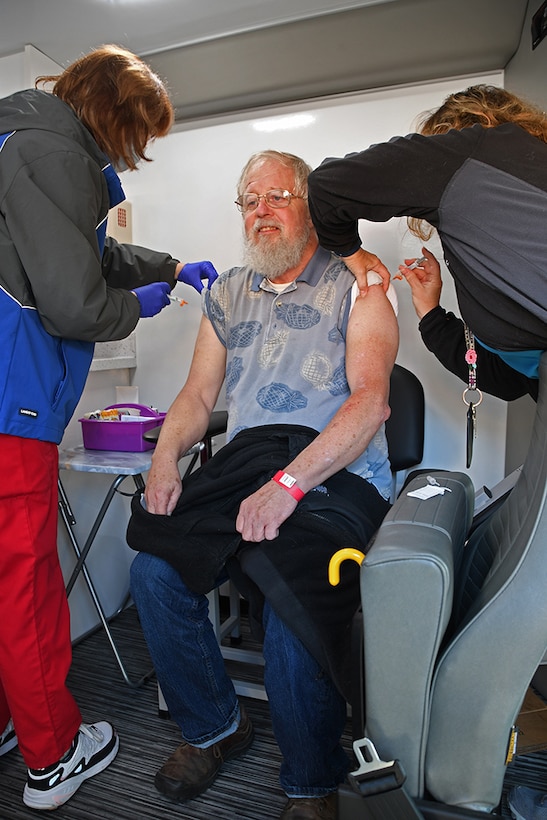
column 273, row 259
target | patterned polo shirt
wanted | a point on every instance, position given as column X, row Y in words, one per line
column 285, row 352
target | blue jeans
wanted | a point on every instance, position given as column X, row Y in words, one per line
column 308, row 713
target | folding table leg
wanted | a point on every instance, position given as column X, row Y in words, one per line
column 81, row 554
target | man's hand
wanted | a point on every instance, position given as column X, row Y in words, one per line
column 163, row 488
column 361, row 263
column 262, row 513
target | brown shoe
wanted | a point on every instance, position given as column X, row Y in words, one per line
column 189, row 771
column 311, row 808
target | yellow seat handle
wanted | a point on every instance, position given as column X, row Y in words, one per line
column 346, row 554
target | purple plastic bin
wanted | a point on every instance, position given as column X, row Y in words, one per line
column 127, row 436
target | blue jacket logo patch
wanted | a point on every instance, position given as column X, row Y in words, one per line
column 25, row 411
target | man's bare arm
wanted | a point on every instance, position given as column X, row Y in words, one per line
column 187, row 420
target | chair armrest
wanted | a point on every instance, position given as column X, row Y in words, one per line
column 217, row 425
column 152, row 435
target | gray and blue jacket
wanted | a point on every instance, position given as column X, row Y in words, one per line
column 63, row 285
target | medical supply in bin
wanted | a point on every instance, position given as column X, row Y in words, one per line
column 120, row 427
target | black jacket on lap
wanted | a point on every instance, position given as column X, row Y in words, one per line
column 200, row 540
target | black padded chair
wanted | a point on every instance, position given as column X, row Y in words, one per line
column 405, row 427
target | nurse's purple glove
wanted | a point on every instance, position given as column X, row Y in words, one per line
column 153, row 298
column 193, row 272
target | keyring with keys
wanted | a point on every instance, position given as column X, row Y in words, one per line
column 471, row 420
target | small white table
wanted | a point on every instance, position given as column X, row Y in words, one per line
column 121, row 465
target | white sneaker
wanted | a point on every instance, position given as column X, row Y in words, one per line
column 93, row 749
column 8, row 738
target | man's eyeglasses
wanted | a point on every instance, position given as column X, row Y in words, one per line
column 276, row 198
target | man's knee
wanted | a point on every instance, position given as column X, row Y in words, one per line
column 146, row 572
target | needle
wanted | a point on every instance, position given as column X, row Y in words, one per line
column 415, row 264
column 177, row 299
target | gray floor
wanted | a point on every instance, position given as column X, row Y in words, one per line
column 246, row 787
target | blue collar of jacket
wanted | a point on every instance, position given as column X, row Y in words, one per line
column 4, row 137
column 115, row 194
column 115, row 191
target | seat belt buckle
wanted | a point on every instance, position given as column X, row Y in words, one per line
column 374, row 775
column 380, row 784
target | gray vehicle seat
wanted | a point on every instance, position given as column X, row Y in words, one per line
column 454, row 630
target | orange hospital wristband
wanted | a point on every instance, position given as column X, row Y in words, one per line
column 288, row 482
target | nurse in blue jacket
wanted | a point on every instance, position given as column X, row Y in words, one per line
column 63, row 286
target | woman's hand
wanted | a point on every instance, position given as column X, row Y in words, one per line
column 425, row 283
column 361, row 263
column 191, row 273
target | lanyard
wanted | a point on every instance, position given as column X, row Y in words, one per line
column 471, row 392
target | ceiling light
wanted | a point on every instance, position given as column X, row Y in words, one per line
column 284, row 123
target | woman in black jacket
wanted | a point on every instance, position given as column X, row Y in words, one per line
column 477, row 173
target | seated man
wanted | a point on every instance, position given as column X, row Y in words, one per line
column 304, row 472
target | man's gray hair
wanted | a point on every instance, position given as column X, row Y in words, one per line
column 300, row 168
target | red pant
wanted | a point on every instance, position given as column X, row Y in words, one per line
column 35, row 646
